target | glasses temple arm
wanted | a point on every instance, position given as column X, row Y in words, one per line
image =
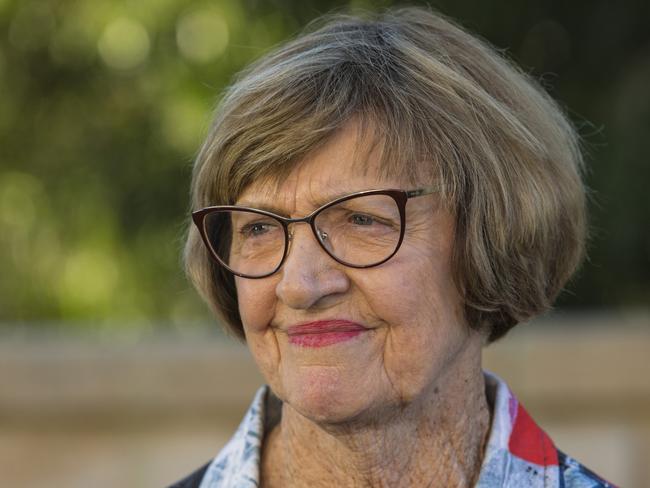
column 421, row 191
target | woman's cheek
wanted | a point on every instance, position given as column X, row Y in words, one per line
column 392, row 292
column 256, row 301
column 256, row 306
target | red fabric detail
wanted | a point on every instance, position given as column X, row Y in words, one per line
column 530, row 443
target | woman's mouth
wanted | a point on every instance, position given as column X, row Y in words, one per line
column 323, row 333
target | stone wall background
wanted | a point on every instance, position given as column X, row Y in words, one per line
column 144, row 411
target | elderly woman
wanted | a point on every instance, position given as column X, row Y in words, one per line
column 378, row 200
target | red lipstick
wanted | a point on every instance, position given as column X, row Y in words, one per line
column 323, row 333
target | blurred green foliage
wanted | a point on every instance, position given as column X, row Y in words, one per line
column 104, row 104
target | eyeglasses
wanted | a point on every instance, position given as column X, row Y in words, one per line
column 359, row 230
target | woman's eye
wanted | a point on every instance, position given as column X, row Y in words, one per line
column 361, row 219
column 255, row 229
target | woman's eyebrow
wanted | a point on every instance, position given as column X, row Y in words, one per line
column 262, row 206
column 315, row 202
column 330, row 197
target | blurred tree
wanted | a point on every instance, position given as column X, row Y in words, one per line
column 104, row 104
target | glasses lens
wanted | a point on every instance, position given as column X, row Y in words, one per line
column 361, row 231
column 247, row 242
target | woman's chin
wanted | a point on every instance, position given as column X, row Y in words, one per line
column 325, row 398
column 326, row 413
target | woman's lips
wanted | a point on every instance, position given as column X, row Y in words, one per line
column 323, row 332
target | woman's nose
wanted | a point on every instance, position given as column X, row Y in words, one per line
column 309, row 277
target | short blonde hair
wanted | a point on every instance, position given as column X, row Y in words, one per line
column 446, row 107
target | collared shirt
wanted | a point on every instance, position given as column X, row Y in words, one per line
column 518, row 453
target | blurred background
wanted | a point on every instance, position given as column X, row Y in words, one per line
column 112, row 372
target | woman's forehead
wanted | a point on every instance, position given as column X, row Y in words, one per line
column 345, row 164
column 313, row 185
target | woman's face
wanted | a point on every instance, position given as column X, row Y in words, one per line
column 412, row 327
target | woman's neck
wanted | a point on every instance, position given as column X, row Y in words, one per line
column 437, row 440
